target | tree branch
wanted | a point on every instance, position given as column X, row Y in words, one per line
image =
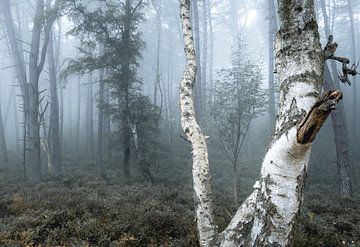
column 316, row 117
column 238, row 230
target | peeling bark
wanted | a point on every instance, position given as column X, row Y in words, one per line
column 267, row 216
column 299, row 63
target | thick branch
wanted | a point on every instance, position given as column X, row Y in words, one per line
column 237, row 232
column 316, row 117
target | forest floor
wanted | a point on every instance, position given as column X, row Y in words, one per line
column 83, row 209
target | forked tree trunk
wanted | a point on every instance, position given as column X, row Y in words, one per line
column 267, row 216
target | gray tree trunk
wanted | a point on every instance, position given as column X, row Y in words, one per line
column 211, row 53
column 204, row 58
column 90, row 118
column 339, row 123
column 199, row 104
column 107, row 125
column 353, row 58
column 271, row 85
column 30, row 87
column 54, row 125
column 78, row 116
column 100, row 130
column 3, row 149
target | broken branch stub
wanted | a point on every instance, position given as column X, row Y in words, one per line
column 316, row 117
column 329, row 53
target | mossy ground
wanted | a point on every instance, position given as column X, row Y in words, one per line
column 81, row 208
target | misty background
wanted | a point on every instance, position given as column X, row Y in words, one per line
column 108, row 111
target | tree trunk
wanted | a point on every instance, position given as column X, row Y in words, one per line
column 30, row 87
column 54, row 126
column 211, row 53
column 100, row 132
column 299, row 63
column 204, row 58
column 34, row 74
column 107, row 125
column 201, row 174
column 78, row 115
column 3, row 149
column 235, row 181
column 90, row 119
column 339, row 123
column 267, row 216
column 341, row 142
column 16, row 123
column 353, row 58
column 271, row 87
column 199, row 109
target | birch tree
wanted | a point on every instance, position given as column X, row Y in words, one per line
column 267, row 216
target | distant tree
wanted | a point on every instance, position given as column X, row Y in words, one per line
column 338, row 118
column 238, row 100
column 54, row 124
column 272, row 27
column 115, row 28
column 43, row 20
column 3, row 149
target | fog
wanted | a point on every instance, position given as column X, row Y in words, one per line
column 92, row 151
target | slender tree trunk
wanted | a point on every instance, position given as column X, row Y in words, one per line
column 34, row 74
column 61, row 114
column 235, row 181
column 353, row 58
column 339, row 123
column 199, row 109
column 271, row 87
column 100, row 131
column 204, row 58
column 234, row 21
column 341, row 142
column 3, row 149
column 201, row 173
column 78, row 115
column 90, row 119
column 211, row 59
column 16, row 123
column 125, row 107
column 158, row 46
column 107, row 125
column 157, row 87
column 30, row 87
column 20, row 69
column 54, row 126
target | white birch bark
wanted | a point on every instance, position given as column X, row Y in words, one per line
column 201, row 174
column 267, row 216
